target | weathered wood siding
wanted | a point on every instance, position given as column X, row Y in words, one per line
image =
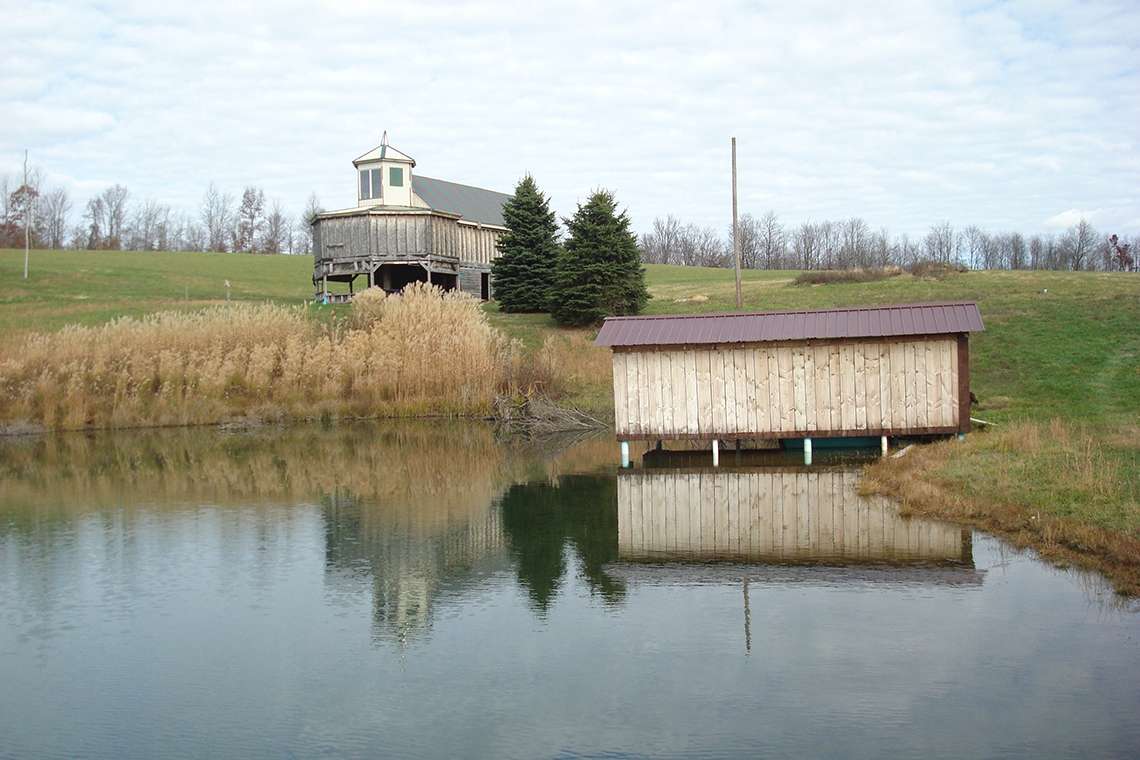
column 788, row 389
column 770, row 515
column 402, row 236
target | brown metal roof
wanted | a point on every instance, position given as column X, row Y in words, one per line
column 759, row 327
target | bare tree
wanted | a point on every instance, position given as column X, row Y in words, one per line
column 216, row 215
column 1078, row 243
column 771, row 241
column 750, row 235
column 308, row 216
column 702, row 247
column 855, row 246
column 940, row 243
column 274, row 234
column 249, row 219
column 805, row 246
column 662, row 244
column 54, row 210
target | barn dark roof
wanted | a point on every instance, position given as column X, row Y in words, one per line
column 758, row 327
column 471, row 203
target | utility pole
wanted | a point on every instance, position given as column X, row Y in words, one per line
column 735, row 231
column 27, row 215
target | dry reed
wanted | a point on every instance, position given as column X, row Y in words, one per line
column 422, row 352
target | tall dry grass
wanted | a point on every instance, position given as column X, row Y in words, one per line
column 421, row 352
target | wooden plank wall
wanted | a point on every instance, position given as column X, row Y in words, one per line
column 398, row 235
column 794, row 389
column 770, row 515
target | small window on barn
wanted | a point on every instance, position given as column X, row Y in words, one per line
column 375, row 183
column 396, row 177
column 364, row 194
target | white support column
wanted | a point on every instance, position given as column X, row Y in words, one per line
column 716, row 453
column 883, row 445
column 624, row 454
column 807, row 451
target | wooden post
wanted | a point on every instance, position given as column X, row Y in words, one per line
column 736, row 231
column 27, row 215
column 807, row 451
column 371, row 277
column 716, row 453
column 625, row 454
column 964, row 383
column 324, row 288
column 883, row 445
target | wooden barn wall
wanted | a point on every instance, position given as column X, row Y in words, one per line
column 790, row 389
column 400, row 235
column 770, row 515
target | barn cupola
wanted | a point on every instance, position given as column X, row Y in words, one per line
column 384, row 176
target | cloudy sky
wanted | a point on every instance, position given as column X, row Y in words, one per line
column 1009, row 115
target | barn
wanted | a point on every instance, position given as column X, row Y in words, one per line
column 833, row 373
column 407, row 228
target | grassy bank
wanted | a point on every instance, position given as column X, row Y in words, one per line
column 1057, row 370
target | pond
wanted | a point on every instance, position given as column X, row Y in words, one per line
column 428, row 590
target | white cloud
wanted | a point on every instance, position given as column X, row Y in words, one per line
column 1072, row 216
column 904, row 113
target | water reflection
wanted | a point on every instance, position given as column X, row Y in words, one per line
column 427, row 589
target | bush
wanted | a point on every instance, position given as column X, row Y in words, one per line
column 934, row 269
column 830, row 276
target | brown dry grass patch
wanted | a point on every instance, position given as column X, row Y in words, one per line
column 1051, row 487
column 421, row 353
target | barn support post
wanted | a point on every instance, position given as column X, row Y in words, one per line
column 624, row 454
column 716, row 453
column 883, row 445
column 324, row 288
column 807, row 451
column 371, row 277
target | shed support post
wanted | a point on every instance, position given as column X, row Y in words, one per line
column 961, row 437
column 807, row 451
column 883, row 445
column 371, row 277
column 324, row 288
column 716, row 453
column 624, row 454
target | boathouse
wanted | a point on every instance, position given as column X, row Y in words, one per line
column 407, row 228
column 833, row 373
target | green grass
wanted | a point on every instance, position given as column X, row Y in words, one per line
column 93, row 287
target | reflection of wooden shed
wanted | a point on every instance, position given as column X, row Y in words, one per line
column 853, row 372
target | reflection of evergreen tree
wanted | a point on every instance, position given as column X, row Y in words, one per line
column 539, row 519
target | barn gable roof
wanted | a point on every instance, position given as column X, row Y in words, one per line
column 473, row 204
column 759, row 327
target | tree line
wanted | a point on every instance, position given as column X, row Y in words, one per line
column 113, row 220
column 766, row 243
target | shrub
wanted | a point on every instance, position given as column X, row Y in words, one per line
column 829, row 276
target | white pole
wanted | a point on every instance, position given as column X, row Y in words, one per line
column 625, row 454
column 807, row 451
column 716, row 453
column 27, row 215
column 735, row 231
column 883, row 445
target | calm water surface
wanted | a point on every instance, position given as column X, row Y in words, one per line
column 424, row 590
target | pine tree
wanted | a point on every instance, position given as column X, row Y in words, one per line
column 523, row 274
column 600, row 273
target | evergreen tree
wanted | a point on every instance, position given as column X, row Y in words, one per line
column 523, row 273
column 599, row 273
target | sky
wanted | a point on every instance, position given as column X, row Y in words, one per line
column 1008, row 115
